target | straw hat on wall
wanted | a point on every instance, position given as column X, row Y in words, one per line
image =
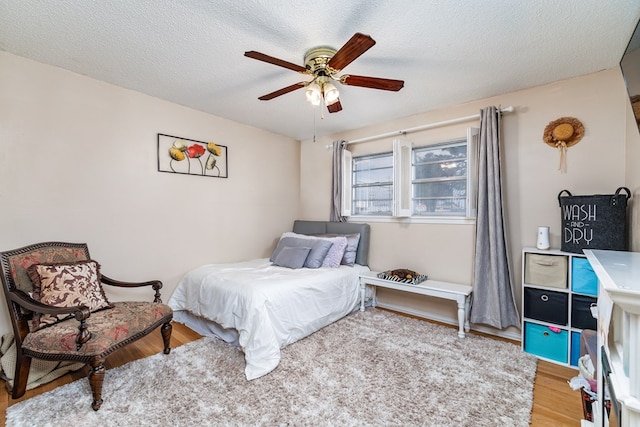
column 567, row 130
column 563, row 133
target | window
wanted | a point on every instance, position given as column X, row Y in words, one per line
column 439, row 180
column 431, row 181
column 372, row 188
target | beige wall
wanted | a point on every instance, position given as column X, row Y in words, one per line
column 78, row 162
column 632, row 154
column 531, row 181
column 632, row 177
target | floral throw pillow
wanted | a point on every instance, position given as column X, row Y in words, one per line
column 66, row 285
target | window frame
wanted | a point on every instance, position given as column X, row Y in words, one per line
column 403, row 181
column 348, row 195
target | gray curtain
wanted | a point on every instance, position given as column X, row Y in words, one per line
column 493, row 300
column 336, row 183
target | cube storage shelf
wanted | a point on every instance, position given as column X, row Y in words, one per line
column 558, row 289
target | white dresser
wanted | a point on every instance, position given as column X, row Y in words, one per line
column 618, row 335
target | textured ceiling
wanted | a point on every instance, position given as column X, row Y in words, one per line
column 447, row 51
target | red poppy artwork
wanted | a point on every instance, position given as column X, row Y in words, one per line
column 191, row 157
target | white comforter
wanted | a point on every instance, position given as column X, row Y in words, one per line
column 269, row 306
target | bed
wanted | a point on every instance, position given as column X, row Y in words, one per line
column 262, row 307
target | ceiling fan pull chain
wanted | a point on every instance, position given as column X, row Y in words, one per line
column 314, row 126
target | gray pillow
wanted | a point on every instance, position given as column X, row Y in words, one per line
column 292, row 257
column 318, row 249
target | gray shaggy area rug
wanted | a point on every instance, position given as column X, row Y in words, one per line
column 369, row 369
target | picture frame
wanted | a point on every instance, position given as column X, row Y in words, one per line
column 191, row 157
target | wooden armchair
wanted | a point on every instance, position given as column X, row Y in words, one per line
column 59, row 311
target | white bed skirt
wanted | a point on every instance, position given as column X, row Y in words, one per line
column 206, row 327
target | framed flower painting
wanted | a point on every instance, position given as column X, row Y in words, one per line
column 191, row 157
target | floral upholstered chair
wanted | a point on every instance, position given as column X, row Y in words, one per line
column 59, row 311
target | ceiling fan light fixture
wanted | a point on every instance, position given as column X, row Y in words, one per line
column 314, row 94
column 331, row 94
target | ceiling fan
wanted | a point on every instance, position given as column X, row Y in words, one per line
column 324, row 64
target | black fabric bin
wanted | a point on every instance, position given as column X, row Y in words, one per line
column 581, row 316
column 548, row 306
column 594, row 222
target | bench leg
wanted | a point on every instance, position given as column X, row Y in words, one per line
column 461, row 317
column 374, row 298
column 467, row 310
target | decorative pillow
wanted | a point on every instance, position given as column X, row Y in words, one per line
column 292, row 257
column 317, row 253
column 66, row 285
column 349, row 257
column 335, row 253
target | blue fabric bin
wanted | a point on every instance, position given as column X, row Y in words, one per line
column 575, row 348
column 583, row 279
column 543, row 342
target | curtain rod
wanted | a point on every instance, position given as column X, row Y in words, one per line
column 422, row 127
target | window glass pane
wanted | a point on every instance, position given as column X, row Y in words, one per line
column 441, row 153
column 377, row 192
column 373, row 200
column 378, row 207
column 373, row 176
column 440, row 169
column 373, row 169
column 440, row 180
column 440, row 207
column 455, row 188
column 372, row 185
column 376, row 161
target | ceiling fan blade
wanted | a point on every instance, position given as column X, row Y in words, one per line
column 275, row 61
column 372, row 82
column 335, row 107
column 282, row 91
column 356, row 46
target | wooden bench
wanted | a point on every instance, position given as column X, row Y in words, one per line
column 451, row 291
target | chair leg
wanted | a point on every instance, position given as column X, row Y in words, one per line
column 23, row 363
column 166, row 336
column 96, row 377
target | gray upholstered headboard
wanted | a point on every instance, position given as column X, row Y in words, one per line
column 327, row 227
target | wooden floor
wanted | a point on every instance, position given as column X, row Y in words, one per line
column 554, row 403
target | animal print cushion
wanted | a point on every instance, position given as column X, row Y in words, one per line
column 66, row 285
